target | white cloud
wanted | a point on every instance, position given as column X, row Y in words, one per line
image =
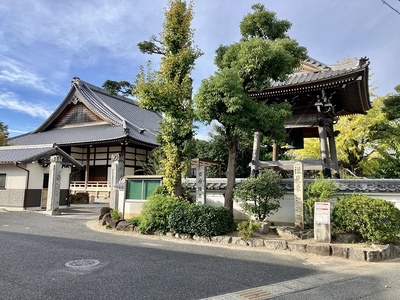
column 11, row 101
column 13, row 72
column 82, row 26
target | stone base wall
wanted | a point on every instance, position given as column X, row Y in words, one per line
column 12, row 198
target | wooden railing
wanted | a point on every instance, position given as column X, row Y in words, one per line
column 95, row 189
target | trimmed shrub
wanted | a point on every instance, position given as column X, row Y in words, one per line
column 370, row 219
column 201, row 220
column 155, row 213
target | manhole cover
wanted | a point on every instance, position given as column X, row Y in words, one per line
column 82, row 263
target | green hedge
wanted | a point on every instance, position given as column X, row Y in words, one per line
column 155, row 212
column 370, row 219
column 201, row 220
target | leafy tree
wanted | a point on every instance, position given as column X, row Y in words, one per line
column 169, row 89
column 260, row 195
column 387, row 164
column 123, row 88
column 3, row 134
column 392, row 105
column 263, row 54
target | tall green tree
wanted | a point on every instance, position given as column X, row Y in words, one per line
column 169, row 89
column 123, row 88
column 3, row 134
column 387, row 165
column 263, row 54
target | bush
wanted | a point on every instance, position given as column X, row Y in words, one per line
column 155, row 213
column 135, row 221
column 370, row 219
column 201, row 220
column 321, row 190
column 259, row 195
column 247, row 228
column 115, row 215
column 79, row 198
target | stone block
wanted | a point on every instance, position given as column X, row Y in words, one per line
column 122, row 224
column 340, row 251
column 170, row 234
column 238, row 241
column 130, row 227
column 106, row 219
column 183, row 236
column 103, row 211
column 319, row 249
column 276, row 244
column 205, row 239
column 221, row 239
column 255, row 242
column 356, row 254
column 297, row 247
column 373, row 255
column 388, row 251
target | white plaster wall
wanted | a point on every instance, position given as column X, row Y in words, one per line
column 285, row 214
column 65, row 178
column 36, row 175
column 15, row 177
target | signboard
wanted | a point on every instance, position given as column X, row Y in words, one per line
column 322, row 213
column 322, row 222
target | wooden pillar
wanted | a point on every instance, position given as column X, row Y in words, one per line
column 323, row 142
column 87, row 167
column 332, row 150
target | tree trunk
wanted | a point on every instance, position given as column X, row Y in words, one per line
column 231, row 175
column 178, row 188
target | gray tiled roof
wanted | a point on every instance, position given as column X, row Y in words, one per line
column 123, row 119
column 347, row 84
column 343, row 185
column 25, row 154
column 327, row 72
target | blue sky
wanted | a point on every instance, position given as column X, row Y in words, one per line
column 45, row 43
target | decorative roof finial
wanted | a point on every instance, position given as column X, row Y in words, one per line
column 75, row 79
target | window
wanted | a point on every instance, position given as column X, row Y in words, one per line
column 2, row 181
column 141, row 188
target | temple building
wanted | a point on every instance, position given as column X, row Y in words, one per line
column 319, row 95
column 91, row 126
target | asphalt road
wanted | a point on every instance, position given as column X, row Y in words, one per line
column 59, row 257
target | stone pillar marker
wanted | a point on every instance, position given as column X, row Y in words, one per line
column 322, row 222
column 298, row 178
column 201, row 185
column 53, row 193
column 117, row 172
